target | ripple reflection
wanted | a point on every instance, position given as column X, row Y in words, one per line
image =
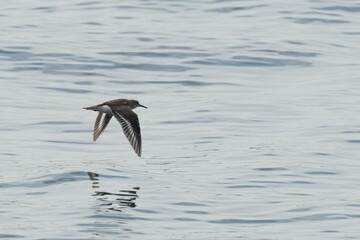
column 123, row 198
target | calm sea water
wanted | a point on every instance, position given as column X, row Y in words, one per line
column 252, row 128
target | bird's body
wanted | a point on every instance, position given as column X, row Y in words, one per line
column 122, row 110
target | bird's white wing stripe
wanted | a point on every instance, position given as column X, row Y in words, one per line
column 101, row 122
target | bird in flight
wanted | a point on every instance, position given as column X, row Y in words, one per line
column 122, row 110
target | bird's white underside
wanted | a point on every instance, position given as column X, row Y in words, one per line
column 105, row 109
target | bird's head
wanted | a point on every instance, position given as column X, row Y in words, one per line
column 134, row 104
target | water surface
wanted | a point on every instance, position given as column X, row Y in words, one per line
column 251, row 132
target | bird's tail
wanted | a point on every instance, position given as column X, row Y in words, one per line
column 91, row 108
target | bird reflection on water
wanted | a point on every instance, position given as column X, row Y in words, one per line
column 124, row 198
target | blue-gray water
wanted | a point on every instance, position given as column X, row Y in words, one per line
column 252, row 129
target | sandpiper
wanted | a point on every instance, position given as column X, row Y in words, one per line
column 122, row 110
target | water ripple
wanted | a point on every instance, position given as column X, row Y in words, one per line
column 235, row 9
column 311, row 217
column 48, row 180
column 178, row 55
column 6, row 236
column 183, row 82
column 289, row 53
column 271, row 169
column 317, row 20
column 247, row 61
column 66, row 90
column 82, row 65
column 341, row 8
column 57, row 123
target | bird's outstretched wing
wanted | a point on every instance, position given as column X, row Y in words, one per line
column 130, row 124
column 101, row 122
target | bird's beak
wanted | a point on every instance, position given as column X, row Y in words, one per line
column 142, row 106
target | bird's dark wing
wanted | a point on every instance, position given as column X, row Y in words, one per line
column 130, row 124
column 101, row 122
